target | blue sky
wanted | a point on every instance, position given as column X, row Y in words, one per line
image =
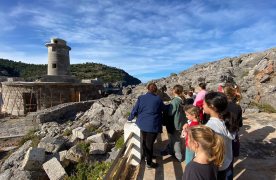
column 149, row 39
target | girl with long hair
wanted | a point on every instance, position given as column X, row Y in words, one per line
column 215, row 104
column 209, row 153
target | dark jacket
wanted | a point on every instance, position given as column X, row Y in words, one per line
column 236, row 113
column 148, row 110
column 175, row 118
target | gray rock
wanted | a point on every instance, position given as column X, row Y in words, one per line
column 250, row 111
column 80, row 133
column 74, row 154
column 79, row 115
column 261, row 65
column 110, row 103
column 16, row 158
column 6, row 175
column 98, row 148
column 126, row 91
column 111, row 135
column 34, row 159
column 251, row 92
column 52, row 144
column 265, row 78
column 19, row 174
column 97, row 138
column 54, row 169
column 62, row 158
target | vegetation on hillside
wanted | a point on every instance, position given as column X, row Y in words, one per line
column 32, row 72
column 90, row 171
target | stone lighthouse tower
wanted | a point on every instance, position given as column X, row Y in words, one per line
column 58, row 58
column 58, row 62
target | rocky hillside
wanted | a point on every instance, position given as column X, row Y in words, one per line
column 32, row 72
column 255, row 73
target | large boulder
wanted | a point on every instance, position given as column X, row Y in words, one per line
column 74, row 154
column 15, row 159
column 52, row 144
column 98, row 148
column 34, row 159
column 97, row 138
column 54, row 169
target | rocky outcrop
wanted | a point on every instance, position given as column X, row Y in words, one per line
column 110, row 112
column 14, row 161
column 60, row 112
column 255, row 73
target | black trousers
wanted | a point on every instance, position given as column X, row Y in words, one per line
column 148, row 140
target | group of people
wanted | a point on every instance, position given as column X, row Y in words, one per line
column 202, row 129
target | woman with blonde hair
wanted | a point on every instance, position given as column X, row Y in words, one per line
column 209, row 153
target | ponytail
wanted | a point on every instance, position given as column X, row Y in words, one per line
column 217, row 154
column 211, row 143
column 218, row 102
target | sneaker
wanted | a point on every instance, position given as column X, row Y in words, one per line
column 152, row 165
column 153, row 157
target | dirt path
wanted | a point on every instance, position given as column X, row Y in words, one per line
column 257, row 159
column 12, row 127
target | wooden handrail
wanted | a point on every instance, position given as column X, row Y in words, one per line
column 119, row 162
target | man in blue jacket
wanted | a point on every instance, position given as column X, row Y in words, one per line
column 148, row 110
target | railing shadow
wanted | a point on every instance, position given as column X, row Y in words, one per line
column 252, row 145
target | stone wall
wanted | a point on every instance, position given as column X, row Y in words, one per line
column 21, row 98
column 59, row 113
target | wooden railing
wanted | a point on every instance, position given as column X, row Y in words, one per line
column 120, row 166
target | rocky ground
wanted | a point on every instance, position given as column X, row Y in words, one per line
column 13, row 126
column 258, row 148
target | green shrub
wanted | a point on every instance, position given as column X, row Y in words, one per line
column 84, row 147
column 87, row 171
column 263, row 107
column 91, row 128
column 119, row 143
column 30, row 136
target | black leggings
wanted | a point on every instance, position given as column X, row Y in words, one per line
column 148, row 140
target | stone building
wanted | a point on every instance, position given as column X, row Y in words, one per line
column 57, row 87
